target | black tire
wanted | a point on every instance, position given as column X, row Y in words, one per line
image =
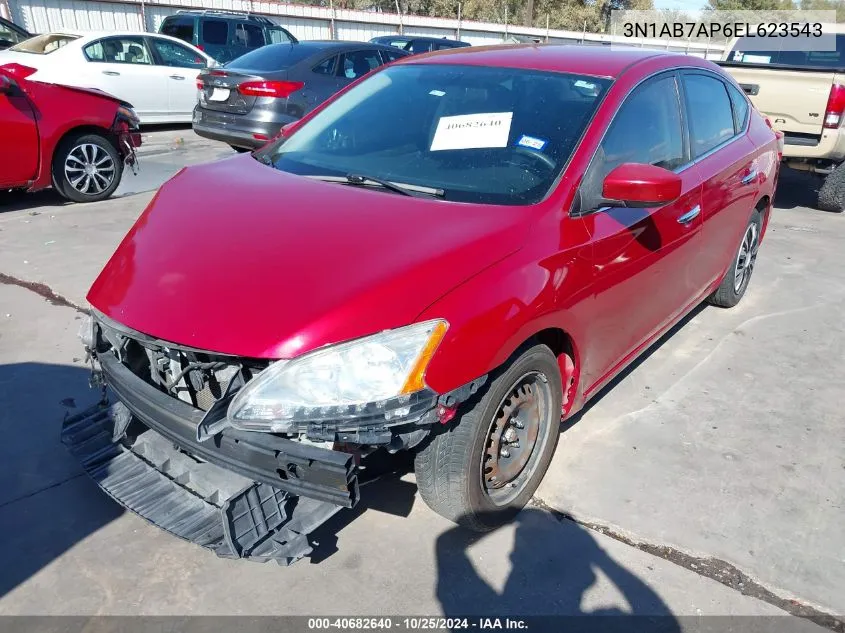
column 732, row 288
column 100, row 185
column 832, row 192
column 449, row 468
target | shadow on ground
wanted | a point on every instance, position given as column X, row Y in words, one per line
column 48, row 504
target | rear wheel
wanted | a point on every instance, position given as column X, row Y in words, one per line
column 832, row 192
column 86, row 168
column 736, row 281
column 483, row 468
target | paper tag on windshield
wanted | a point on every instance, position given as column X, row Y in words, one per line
column 472, row 131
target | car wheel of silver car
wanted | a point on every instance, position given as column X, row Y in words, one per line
column 736, row 281
column 483, row 467
column 86, row 168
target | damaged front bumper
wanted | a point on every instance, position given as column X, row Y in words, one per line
column 242, row 494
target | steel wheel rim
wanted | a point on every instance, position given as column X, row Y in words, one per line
column 746, row 257
column 511, row 453
column 89, row 169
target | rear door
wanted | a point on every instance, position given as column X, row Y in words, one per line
column 643, row 259
column 181, row 64
column 215, row 39
column 790, row 86
column 123, row 66
column 726, row 163
column 322, row 81
column 19, row 147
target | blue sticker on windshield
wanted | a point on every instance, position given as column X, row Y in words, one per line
column 531, row 142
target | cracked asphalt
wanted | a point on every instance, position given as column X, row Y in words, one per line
column 709, row 480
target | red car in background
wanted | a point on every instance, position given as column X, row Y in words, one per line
column 74, row 139
column 447, row 257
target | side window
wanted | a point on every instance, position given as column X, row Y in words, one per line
column 418, row 46
column 359, row 63
column 709, row 110
column 391, row 56
column 278, row 36
column 215, row 32
column 326, row 67
column 118, row 50
column 740, row 108
column 9, row 36
column 249, row 35
column 647, row 129
column 173, row 54
column 182, row 28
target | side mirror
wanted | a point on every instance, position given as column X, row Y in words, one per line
column 638, row 185
column 6, row 85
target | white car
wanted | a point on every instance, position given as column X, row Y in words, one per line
column 155, row 73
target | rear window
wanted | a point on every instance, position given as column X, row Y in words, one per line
column 774, row 50
column 44, row 44
column 271, row 57
column 182, row 28
column 215, row 32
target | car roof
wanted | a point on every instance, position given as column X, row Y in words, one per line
column 598, row 61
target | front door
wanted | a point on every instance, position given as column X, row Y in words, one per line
column 643, row 260
column 181, row 66
column 19, row 141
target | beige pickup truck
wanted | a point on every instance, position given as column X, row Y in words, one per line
column 803, row 95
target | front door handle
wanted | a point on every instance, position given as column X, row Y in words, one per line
column 690, row 215
column 751, row 177
column 180, row 77
column 112, row 73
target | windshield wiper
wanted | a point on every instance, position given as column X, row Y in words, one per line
column 401, row 188
column 263, row 159
column 357, row 179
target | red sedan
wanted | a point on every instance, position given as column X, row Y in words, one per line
column 74, row 139
column 448, row 257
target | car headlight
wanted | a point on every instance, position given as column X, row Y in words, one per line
column 379, row 376
column 132, row 119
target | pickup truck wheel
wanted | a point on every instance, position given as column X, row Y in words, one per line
column 832, row 192
column 481, row 469
column 86, row 168
column 733, row 286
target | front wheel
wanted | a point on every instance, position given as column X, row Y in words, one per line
column 481, row 469
column 86, row 168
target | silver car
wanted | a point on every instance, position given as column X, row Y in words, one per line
column 246, row 102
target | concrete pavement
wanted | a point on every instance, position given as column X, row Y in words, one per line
column 725, row 443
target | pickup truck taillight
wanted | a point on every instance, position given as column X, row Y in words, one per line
column 835, row 106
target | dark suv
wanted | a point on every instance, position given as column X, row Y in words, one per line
column 224, row 35
column 416, row 45
column 11, row 34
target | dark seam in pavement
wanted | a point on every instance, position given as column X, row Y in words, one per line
column 712, row 568
column 40, row 490
column 42, row 290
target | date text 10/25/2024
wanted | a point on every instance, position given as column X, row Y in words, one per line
column 415, row 624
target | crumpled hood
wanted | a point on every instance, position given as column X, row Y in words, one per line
column 239, row 258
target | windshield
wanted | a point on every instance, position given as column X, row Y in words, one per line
column 482, row 135
column 785, row 52
column 44, row 44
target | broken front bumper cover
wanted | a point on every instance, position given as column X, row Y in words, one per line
column 197, row 501
column 241, row 494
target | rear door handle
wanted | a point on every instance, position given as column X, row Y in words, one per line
column 690, row 215
column 180, row 77
column 112, row 73
column 751, row 177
